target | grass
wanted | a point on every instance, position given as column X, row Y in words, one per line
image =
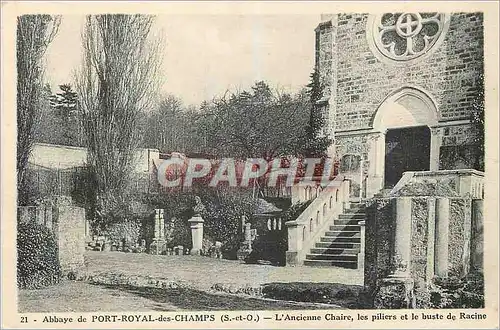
column 199, row 276
column 202, row 272
column 71, row 296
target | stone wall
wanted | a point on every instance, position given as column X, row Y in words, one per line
column 67, row 222
column 451, row 72
column 69, row 226
column 462, row 242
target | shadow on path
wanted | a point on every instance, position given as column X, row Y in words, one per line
column 195, row 300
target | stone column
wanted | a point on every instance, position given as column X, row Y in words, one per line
column 477, row 239
column 375, row 178
column 397, row 290
column 294, row 243
column 345, row 190
column 196, row 223
column 436, row 141
column 248, row 234
column 361, row 254
column 442, row 233
column 402, row 239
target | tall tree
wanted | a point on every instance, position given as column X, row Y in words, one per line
column 317, row 136
column 256, row 123
column 116, row 85
column 65, row 104
column 34, row 34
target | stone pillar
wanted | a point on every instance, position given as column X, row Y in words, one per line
column 361, row 254
column 436, row 141
column 402, row 239
column 477, row 241
column 442, row 233
column 375, row 182
column 294, row 243
column 397, row 290
column 196, row 223
column 248, row 235
column 345, row 190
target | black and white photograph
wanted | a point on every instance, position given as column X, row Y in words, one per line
column 250, row 165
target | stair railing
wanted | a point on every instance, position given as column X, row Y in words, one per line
column 304, row 231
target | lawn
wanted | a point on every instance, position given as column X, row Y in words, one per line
column 70, row 296
column 199, row 275
column 204, row 272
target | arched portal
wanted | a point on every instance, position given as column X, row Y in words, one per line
column 404, row 139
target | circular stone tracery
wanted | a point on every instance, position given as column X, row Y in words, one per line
column 406, row 36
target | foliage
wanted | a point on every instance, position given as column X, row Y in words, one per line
column 327, row 293
column 317, row 138
column 61, row 122
column 172, row 127
column 34, row 34
column 256, row 123
column 272, row 245
column 37, row 257
column 457, row 291
column 116, row 84
column 179, row 233
column 222, row 215
column 223, row 212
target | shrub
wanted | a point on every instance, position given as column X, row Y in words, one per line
column 457, row 291
column 327, row 293
column 37, row 257
column 179, row 233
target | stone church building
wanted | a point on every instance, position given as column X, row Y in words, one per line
column 398, row 92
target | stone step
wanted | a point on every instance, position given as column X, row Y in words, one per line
column 345, row 222
column 344, row 216
column 338, row 245
column 343, row 233
column 340, row 239
column 332, row 257
column 357, row 205
column 329, row 263
column 338, row 251
column 345, row 227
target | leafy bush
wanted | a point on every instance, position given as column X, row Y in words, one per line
column 457, row 291
column 327, row 293
column 222, row 215
column 272, row 245
column 178, row 233
column 37, row 257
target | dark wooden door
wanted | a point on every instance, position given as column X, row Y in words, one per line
column 406, row 149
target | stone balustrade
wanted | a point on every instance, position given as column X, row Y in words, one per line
column 303, row 232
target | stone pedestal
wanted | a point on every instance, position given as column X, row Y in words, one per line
column 246, row 247
column 196, row 223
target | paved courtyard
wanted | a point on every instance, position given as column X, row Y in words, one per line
column 203, row 272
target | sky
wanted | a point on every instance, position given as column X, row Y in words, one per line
column 205, row 55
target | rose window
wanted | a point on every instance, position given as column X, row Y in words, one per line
column 406, row 36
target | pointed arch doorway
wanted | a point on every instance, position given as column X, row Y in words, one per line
column 404, row 139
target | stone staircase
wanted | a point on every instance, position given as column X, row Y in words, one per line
column 340, row 245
